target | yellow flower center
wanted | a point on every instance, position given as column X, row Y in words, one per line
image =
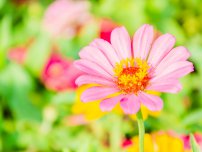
column 132, row 75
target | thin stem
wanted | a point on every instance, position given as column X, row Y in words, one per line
column 141, row 130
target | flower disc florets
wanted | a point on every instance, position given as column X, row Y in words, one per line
column 132, row 75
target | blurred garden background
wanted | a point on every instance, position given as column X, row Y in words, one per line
column 40, row 106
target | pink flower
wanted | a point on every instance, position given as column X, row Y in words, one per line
column 65, row 17
column 18, row 54
column 59, row 74
column 106, row 28
column 186, row 139
column 124, row 73
column 75, row 120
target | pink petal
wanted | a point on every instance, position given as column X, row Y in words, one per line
column 93, row 54
column 162, row 45
column 89, row 79
column 177, row 54
column 142, row 41
column 97, row 93
column 91, row 68
column 153, row 103
column 121, row 42
column 130, row 104
column 107, row 49
column 175, row 70
column 108, row 104
column 170, row 86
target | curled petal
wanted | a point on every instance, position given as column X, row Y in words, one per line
column 130, row 104
column 107, row 49
column 121, row 42
column 91, row 68
column 89, row 79
column 97, row 93
column 153, row 103
column 109, row 103
column 94, row 55
column 177, row 54
column 162, row 45
column 142, row 41
column 170, row 86
column 175, row 71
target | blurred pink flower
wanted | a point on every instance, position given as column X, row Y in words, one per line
column 186, row 139
column 126, row 74
column 63, row 18
column 106, row 27
column 17, row 54
column 75, row 120
column 59, row 73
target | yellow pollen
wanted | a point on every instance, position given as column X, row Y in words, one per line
column 132, row 75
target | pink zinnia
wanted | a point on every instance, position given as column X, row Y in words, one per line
column 59, row 73
column 65, row 17
column 124, row 73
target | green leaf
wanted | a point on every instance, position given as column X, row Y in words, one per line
column 115, row 134
column 64, row 97
column 194, row 145
column 88, row 34
column 2, row 3
column 15, row 86
column 38, row 54
column 193, row 117
column 5, row 32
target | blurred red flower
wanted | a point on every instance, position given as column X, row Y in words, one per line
column 106, row 27
column 186, row 140
column 126, row 143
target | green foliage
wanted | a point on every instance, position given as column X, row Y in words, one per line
column 38, row 54
column 194, row 145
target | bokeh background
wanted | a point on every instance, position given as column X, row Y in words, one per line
column 40, row 106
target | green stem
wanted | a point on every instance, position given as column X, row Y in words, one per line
column 141, row 130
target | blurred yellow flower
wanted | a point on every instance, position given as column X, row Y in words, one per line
column 91, row 110
column 158, row 142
